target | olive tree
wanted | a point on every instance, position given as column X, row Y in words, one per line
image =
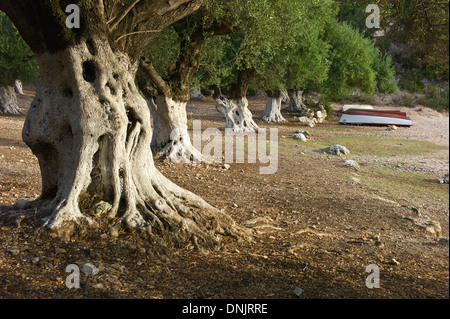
column 16, row 62
column 90, row 128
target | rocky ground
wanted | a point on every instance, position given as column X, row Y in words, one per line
column 320, row 224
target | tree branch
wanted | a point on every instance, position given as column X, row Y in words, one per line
column 157, row 80
column 137, row 32
column 115, row 21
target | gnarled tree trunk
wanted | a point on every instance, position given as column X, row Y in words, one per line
column 8, row 100
column 91, row 132
column 18, row 87
column 168, row 97
column 235, row 108
column 272, row 113
column 296, row 102
column 171, row 130
column 170, row 135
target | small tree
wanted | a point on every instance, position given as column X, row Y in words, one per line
column 16, row 62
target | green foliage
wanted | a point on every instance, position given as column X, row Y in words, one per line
column 351, row 62
column 417, row 29
column 217, row 63
column 256, row 46
column 437, row 98
column 411, row 81
column 308, row 55
column 385, row 72
column 16, row 59
column 164, row 51
column 327, row 106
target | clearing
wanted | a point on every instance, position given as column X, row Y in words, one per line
column 320, row 222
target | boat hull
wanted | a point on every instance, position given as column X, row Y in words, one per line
column 375, row 117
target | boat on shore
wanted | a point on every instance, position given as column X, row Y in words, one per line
column 375, row 117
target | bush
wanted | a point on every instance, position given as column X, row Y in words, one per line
column 437, row 98
column 327, row 106
column 352, row 59
column 411, row 81
column 385, row 72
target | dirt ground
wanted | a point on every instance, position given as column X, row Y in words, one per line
column 320, row 224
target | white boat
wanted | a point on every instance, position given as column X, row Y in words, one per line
column 356, row 107
column 375, row 117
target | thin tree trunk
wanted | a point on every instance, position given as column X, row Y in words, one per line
column 8, row 100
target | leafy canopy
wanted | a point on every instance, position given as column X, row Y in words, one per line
column 16, row 59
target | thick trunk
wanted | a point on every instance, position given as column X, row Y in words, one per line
column 8, row 100
column 170, row 134
column 91, row 132
column 272, row 113
column 235, row 108
column 237, row 115
column 296, row 102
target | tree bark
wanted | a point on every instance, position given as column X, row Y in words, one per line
column 272, row 113
column 18, row 87
column 8, row 100
column 170, row 125
column 235, row 107
column 90, row 129
column 296, row 102
column 168, row 98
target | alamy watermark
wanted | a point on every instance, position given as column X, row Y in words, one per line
column 373, row 20
column 373, row 280
column 231, row 147
column 73, row 19
column 73, row 280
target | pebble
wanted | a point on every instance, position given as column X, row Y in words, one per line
column 99, row 286
column 89, row 270
column 298, row 291
column 60, row 251
column 379, row 244
column 395, row 262
column 14, row 251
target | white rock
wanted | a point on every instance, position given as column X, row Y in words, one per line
column 301, row 137
column 338, row 150
column 444, row 179
column 353, row 164
column 304, row 120
column 89, row 270
column 391, row 128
